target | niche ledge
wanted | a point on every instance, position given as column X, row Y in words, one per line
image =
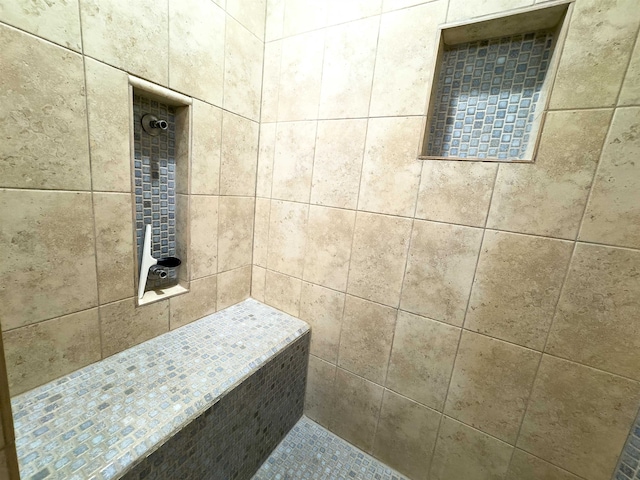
column 151, row 296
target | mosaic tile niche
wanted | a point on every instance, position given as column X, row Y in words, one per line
column 629, row 464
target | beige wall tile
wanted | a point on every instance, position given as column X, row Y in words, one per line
column 4, row 468
column 293, row 161
column 183, row 237
column 198, row 303
column 43, row 100
column 329, row 237
column 367, row 334
column 613, row 212
column 271, row 81
column 388, row 5
column 55, row 21
column 319, row 395
column 110, row 29
column 287, row 237
column 460, row 10
column 391, row 169
column 406, row 435
column 234, row 286
column 338, row 162
column 301, row 75
column 356, row 409
column 243, row 70
column 265, row 159
column 597, row 50
column 205, row 147
column 114, row 246
column 250, row 14
column 349, row 57
column 456, row 192
column 463, row 452
column 404, row 69
column 422, row 359
column 124, row 325
column 303, row 15
column 39, row 353
column 440, row 269
column 204, row 235
column 108, row 109
column 516, row 287
column 283, row 292
column 48, row 267
column 340, row 11
column 548, row 197
column 322, row 309
column 490, row 385
column 239, row 155
column 261, row 231
column 378, row 258
column 527, row 467
column 579, row 418
column 630, row 93
column 274, row 22
column 235, row 232
column 597, row 318
column 258, row 278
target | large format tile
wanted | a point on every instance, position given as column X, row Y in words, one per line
column 293, row 161
column 198, row 303
column 251, row 14
column 204, row 236
column 274, row 21
column 238, row 163
column 527, row 467
column 258, row 279
column 271, row 81
column 341, row 11
column 319, row 395
column 287, row 237
column 235, row 232
column 261, row 231
column 461, row 10
column 578, row 418
column 517, row 286
column 48, row 267
column 303, row 15
column 630, row 93
column 43, row 113
column 266, row 154
column 597, row 318
column 233, row 286
column 283, row 292
column 206, row 140
column 322, row 309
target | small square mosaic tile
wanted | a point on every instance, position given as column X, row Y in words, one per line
column 487, row 95
column 629, row 464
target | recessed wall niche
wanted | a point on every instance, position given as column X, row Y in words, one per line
column 491, row 86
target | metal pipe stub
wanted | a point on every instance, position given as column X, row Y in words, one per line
column 153, row 125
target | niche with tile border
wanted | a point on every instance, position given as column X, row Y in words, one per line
column 491, row 85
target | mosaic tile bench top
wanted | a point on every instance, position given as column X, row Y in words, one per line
column 311, row 452
column 98, row 421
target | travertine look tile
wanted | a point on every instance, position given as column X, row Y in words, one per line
column 329, row 237
column 205, row 148
column 341, row 11
column 287, row 237
column 265, row 159
column 114, row 246
column 597, row 318
column 182, row 143
column 123, row 324
column 275, row 20
column 198, row 303
column 283, row 292
column 183, row 235
column 630, row 93
column 301, row 73
column 365, row 343
column 42, row 101
column 613, row 212
column 131, row 36
column 578, row 418
column 406, row 435
column 378, row 258
column 440, row 268
column 463, row 452
column 234, row 286
column 243, row 70
column 527, row 467
column 4, row 467
column 250, row 14
column 58, row 22
column 258, row 278
column 239, row 155
column 322, row 309
column 490, row 385
column 48, row 267
column 516, row 287
column 271, row 81
column 422, row 359
column 548, row 197
column 404, row 63
column 388, row 5
column 261, row 231
column 204, row 236
column 597, row 49
column 303, row 15
column 235, row 232
column 338, row 162
column 293, row 161
column 349, row 57
column 356, row 409
column 460, row 10
column 391, row 169
column 39, row 353
column 108, row 98
column 319, row 395
column 456, row 192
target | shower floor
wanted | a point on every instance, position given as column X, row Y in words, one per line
column 311, row 452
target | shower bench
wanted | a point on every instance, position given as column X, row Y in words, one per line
column 210, row 400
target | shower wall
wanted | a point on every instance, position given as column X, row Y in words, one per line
column 471, row 320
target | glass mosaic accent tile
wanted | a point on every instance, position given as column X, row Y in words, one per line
column 312, row 452
column 95, row 423
column 629, row 464
column 486, row 97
